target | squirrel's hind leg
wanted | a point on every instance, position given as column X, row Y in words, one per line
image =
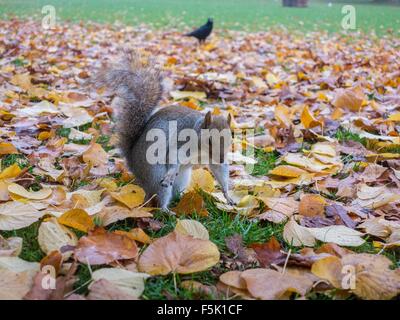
column 164, row 196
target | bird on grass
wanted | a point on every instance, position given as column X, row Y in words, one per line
column 203, row 32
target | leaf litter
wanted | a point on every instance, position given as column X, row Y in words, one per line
column 325, row 114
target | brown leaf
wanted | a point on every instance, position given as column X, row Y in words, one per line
column 267, row 284
column 102, row 247
column 191, row 202
column 269, row 252
column 235, row 245
column 312, row 205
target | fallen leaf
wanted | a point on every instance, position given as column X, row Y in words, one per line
column 192, row 228
column 102, row 247
column 53, row 236
column 312, row 205
column 191, row 202
column 131, row 283
column 109, row 215
column 349, row 99
column 77, row 219
column 16, row 189
column 10, row 247
column 177, row 253
column 16, row 215
column 130, row 195
column 267, row 284
column 297, row 235
column 202, row 179
column 95, row 155
column 269, row 252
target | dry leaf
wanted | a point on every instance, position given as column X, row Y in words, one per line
column 131, row 283
column 102, row 247
column 202, row 179
column 312, row 205
column 130, row 195
column 53, row 236
column 16, row 215
column 191, row 202
column 177, row 253
column 192, row 228
column 77, row 219
column 16, row 189
column 297, row 235
column 267, row 284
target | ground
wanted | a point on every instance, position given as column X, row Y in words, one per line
column 271, row 78
column 233, row 14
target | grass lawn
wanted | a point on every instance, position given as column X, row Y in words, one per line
column 232, row 14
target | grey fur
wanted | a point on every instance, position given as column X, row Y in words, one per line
column 139, row 87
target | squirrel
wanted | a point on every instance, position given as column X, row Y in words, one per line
column 138, row 84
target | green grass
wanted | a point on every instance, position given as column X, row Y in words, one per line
column 220, row 225
column 266, row 161
column 10, row 159
column 231, row 14
column 30, row 248
column 344, row 135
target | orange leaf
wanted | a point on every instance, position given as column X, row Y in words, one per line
column 102, row 247
column 308, row 120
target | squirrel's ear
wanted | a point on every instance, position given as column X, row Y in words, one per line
column 207, row 120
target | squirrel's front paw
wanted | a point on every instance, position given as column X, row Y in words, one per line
column 229, row 200
column 168, row 179
column 169, row 211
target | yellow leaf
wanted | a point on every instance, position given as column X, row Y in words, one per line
column 22, row 80
column 136, row 234
column 12, row 171
column 19, row 190
column 307, row 163
column 77, row 219
column 394, row 117
column 116, row 213
column 130, row 195
column 7, row 148
column 287, row 171
column 44, row 135
column 282, row 114
column 308, row 120
column 202, row 179
column 324, row 148
column 329, row 268
column 179, row 95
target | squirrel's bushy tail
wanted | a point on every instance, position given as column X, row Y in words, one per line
column 138, row 84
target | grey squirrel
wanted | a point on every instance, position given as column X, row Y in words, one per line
column 138, row 85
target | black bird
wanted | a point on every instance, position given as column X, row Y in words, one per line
column 203, row 32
